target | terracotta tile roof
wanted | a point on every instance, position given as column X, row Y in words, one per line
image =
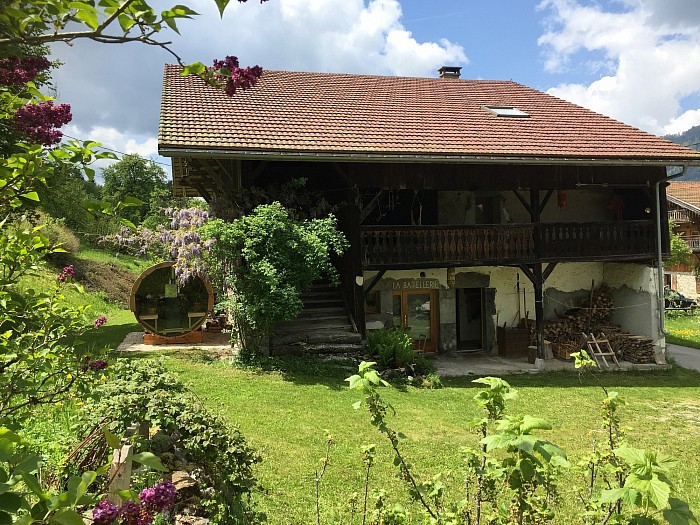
column 340, row 114
column 686, row 191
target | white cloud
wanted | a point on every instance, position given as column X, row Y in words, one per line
column 651, row 57
column 684, row 122
column 119, row 143
column 118, row 87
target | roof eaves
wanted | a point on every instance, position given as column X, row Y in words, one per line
column 683, row 204
column 422, row 158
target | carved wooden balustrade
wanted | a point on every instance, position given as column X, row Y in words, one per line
column 415, row 246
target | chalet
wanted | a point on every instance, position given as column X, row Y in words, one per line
column 470, row 204
column 684, row 212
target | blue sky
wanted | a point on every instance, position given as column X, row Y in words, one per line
column 634, row 60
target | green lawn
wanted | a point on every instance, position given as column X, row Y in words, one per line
column 286, row 416
column 684, row 329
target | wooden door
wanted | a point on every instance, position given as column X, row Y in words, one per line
column 416, row 311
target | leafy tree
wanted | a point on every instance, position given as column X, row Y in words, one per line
column 266, row 260
column 681, row 254
column 133, row 176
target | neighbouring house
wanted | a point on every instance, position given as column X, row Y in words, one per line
column 469, row 204
column 684, row 212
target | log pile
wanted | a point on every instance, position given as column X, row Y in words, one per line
column 566, row 333
column 576, row 320
column 633, row 348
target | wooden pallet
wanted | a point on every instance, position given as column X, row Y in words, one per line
column 598, row 352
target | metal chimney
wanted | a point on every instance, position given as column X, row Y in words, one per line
column 449, row 72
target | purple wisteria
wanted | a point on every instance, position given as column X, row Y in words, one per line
column 152, row 500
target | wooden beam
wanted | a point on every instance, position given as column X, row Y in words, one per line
column 523, row 201
column 545, row 200
column 364, row 213
column 374, row 282
column 548, row 270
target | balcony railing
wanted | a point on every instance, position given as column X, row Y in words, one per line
column 414, row 246
column 692, row 242
column 679, row 216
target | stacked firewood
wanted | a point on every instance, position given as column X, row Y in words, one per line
column 633, row 348
column 567, row 332
column 576, row 320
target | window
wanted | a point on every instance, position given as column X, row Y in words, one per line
column 506, row 111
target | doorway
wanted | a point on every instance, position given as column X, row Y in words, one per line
column 470, row 332
column 416, row 311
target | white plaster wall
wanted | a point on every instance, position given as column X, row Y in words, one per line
column 685, row 284
column 581, row 206
column 634, row 291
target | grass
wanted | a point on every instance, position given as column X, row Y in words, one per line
column 684, row 329
column 129, row 262
column 286, row 408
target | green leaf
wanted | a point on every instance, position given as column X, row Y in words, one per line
column 32, row 196
column 631, row 456
column 33, row 485
column 89, row 18
column 533, row 423
column 5, row 518
column 221, row 4
column 6, row 433
column 679, row 513
column 131, row 495
column 130, row 201
column 10, row 502
column 150, row 460
column 196, row 68
column 68, row 517
column 357, row 405
column 112, row 440
column 655, row 490
column 628, row 496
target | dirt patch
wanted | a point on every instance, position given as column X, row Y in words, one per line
column 110, row 279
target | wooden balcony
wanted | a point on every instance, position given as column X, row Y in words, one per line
column 692, row 242
column 437, row 246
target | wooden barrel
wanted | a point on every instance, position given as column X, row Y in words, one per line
column 164, row 307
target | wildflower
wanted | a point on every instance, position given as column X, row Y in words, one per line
column 100, row 321
column 66, row 273
column 159, row 497
column 105, row 512
column 69, row 376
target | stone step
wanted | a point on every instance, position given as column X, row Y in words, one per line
column 340, row 322
column 316, row 337
column 318, row 313
column 323, row 303
column 304, row 348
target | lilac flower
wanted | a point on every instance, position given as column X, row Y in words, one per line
column 105, row 512
column 130, row 513
column 97, row 364
column 100, row 321
column 159, row 497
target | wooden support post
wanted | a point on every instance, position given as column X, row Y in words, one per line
column 120, row 472
column 537, row 277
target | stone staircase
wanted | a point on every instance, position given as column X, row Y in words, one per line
column 323, row 326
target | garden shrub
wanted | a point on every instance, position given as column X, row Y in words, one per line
column 145, row 391
column 393, row 347
column 59, row 235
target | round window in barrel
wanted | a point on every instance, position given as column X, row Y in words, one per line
column 167, row 308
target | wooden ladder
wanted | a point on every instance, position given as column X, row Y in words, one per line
column 600, row 353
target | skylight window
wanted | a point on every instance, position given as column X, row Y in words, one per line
column 506, row 111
